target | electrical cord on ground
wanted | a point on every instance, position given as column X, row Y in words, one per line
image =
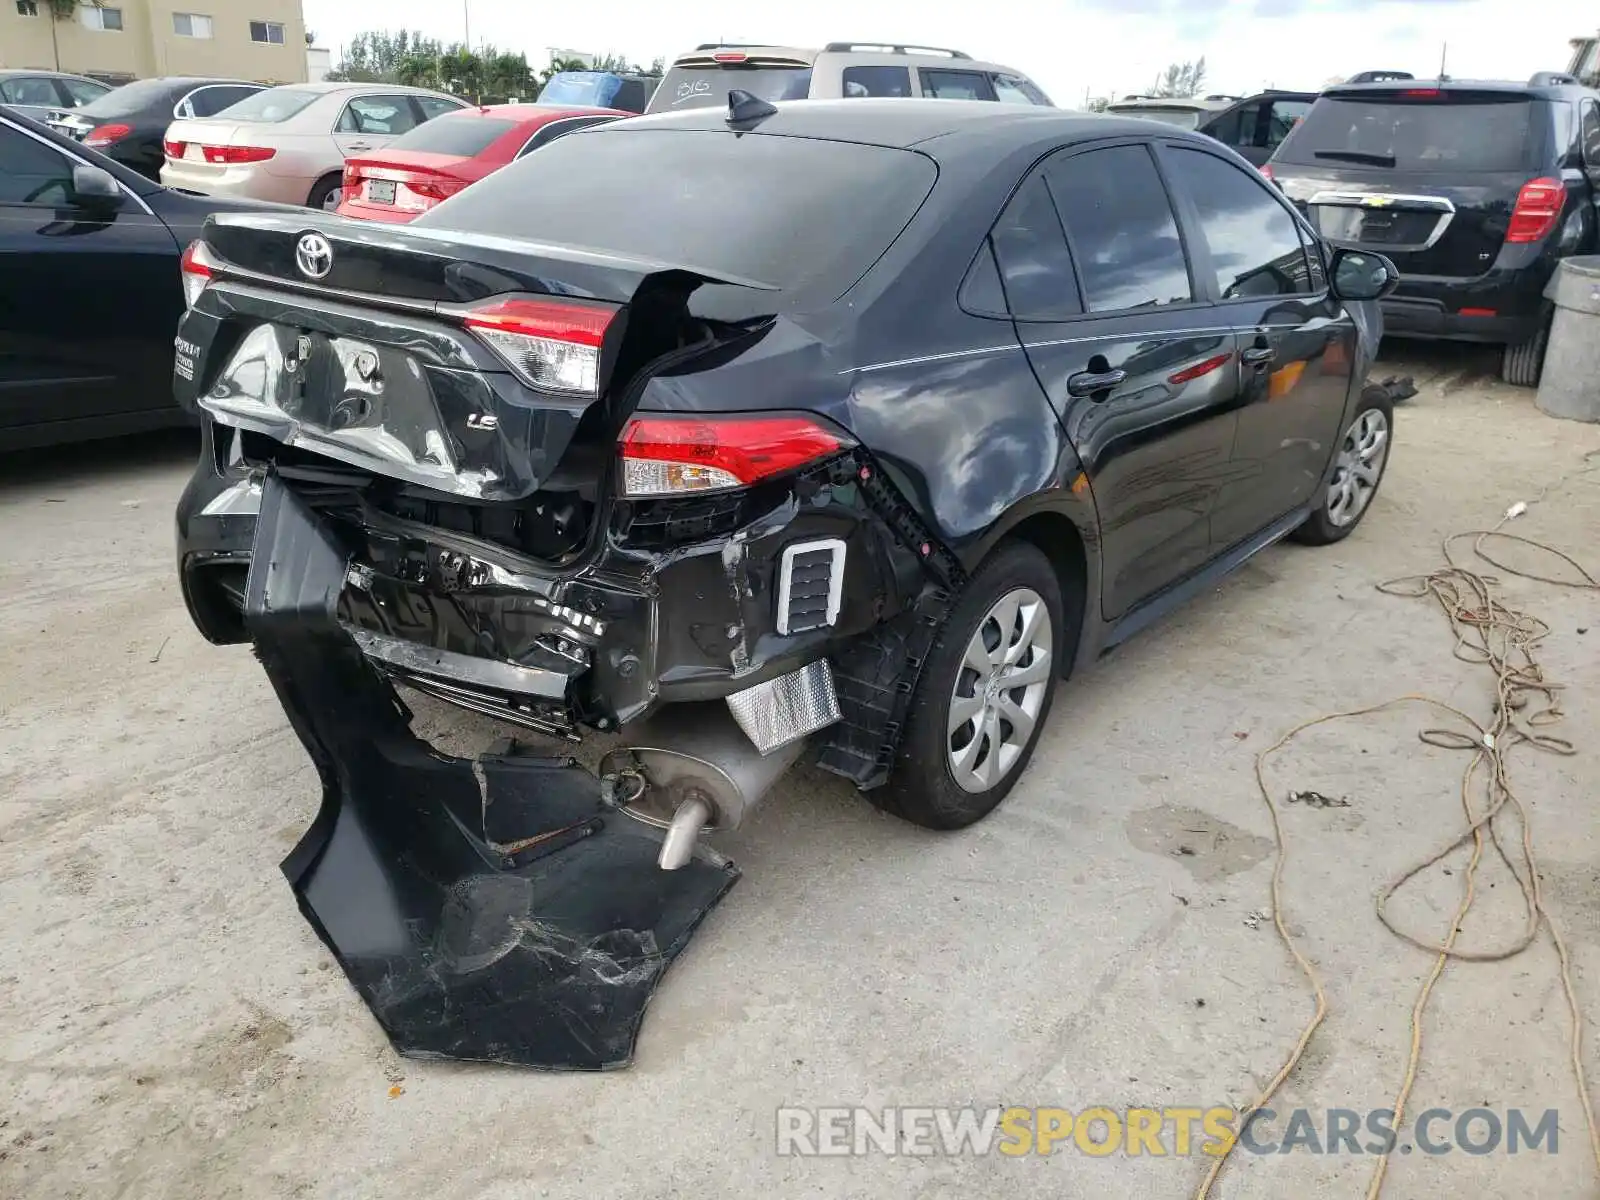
column 1488, row 632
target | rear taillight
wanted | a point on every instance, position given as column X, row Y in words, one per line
column 419, row 194
column 104, row 135
column 237, row 154
column 197, row 267
column 1266, row 173
column 1538, row 208
column 553, row 345
column 174, row 149
column 674, row 455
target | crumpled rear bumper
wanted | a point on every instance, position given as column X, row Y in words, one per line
column 494, row 909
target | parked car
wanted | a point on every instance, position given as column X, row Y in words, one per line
column 1184, row 112
column 89, row 293
column 840, row 70
column 918, row 407
column 599, row 89
column 1476, row 190
column 127, row 123
column 38, row 94
column 437, row 160
column 1255, row 127
column 290, row 143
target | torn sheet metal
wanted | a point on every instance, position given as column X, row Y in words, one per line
column 491, row 909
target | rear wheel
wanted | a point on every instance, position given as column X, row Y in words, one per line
column 984, row 694
column 1523, row 363
column 327, row 193
column 1357, row 471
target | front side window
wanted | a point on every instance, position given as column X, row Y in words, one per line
column 193, row 25
column 955, row 85
column 1121, row 227
column 32, row 172
column 268, row 32
column 83, row 91
column 1236, row 127
column 106, row 19
column 1589, row 135
column 1031, row 251
column 1254, row 243
column 877, row 81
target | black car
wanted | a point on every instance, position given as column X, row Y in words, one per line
column 1476, row 190
column 89, row 290
column 127, row 124
column 1256, row 126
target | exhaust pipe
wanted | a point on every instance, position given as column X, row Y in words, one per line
column 695, row 771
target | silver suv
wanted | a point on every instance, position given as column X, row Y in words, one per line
column 703, row 77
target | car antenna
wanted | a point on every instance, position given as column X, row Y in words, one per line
column 746, row 108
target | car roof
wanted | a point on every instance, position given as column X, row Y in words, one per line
column 532, row 112
column 326, row 88
column 1194, row 102
column 46, row 72
column 906, row 123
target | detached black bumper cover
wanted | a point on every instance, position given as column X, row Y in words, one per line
column 490, row 909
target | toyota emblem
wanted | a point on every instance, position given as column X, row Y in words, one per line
column 313, row 255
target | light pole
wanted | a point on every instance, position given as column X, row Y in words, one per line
column 466, row 23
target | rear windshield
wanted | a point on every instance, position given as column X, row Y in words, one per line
column 1183, row 118
column 1482, row 132
column 271, row 106
column 705, row 87
column 787, row 212
column 463, row 136
column 591, row 89
column 133, row 97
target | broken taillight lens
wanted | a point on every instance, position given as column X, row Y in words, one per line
column 674, row 455
column 553, row 345
column 197, row 266
column 1538, row 208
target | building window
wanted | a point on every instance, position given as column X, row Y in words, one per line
column 105, row 19
column 27, row 8
column 192, row 25
column 270, row 32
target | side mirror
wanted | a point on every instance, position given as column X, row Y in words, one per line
column 96, row 188
column 1362, row 275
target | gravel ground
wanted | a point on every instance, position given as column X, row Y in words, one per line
column 169, row 1026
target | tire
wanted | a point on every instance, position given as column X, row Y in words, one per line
column 1522, row 364
column 325, row 189
column 926, row 785
column 1335, row 519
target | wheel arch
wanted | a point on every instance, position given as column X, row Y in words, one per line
column 1070, row 541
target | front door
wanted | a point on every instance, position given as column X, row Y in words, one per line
column 89, row 301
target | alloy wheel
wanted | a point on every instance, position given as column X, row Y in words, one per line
column 1359, row 467
column 999, row 690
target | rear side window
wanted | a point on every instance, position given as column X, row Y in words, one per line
column 787, row 212
column 83, row 91
column 1013, row 89
column 708, row 86
column 1031, row 250
column 955, row 85
column 1121, row 227
column 463, row 137
column 209, row 101
column 877, row 81
column 1589, row 134
column 1254, row 243
column 1482, row 131
column 272, row 105
column 378, row 115
column 31, row 172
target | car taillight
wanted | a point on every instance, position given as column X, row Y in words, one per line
column 237, row 154
column 1266, row 173
column 197, row 266
column 673, row 455
column 174, row 149
column 1538, row 208
column 553, row 345
column 104, row 135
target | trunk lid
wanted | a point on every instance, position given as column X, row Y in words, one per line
column 409, row 180
column 184, row 141
column 387, row 348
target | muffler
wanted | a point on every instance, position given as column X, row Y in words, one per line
column 690, row 769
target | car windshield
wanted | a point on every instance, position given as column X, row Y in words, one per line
column 781, row 211
column 594, row 89
column 707, row 87
column 1183, row 118
column 1481, row 132
column 132, row 97
column 271, row 106
column 463, row 136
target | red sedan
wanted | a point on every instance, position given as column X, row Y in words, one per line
column 440, row 157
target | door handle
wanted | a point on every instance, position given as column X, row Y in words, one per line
column 1258, row 356
column 360, row 145
column 1086, row 383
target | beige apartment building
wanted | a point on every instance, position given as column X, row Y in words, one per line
column 119, row 40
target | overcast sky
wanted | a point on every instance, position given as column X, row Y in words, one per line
column 1106, row 46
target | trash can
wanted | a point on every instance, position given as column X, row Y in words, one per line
column 1570, row 384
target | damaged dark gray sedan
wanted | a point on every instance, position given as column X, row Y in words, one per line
column 848, row 427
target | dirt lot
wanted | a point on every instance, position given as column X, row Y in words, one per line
column 169, row 1026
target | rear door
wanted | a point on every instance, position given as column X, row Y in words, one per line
column 1297, row 343
column 1143, row 376
column 371, row 122
column 1425, row 175
column 88, row 304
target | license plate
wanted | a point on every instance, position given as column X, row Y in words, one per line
column 380, row 191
